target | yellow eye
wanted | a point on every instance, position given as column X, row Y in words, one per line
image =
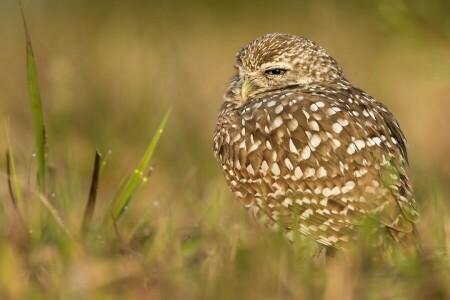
column 275, row 72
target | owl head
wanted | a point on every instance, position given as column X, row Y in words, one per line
column 276, row 61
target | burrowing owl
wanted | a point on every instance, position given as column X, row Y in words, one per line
column 303, row 149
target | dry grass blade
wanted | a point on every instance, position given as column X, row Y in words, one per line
column 90, row 206
column 123, row 247
column 8, row 172
column 138, row 178
column 54, row 212
column 36, row 107
column 20, row 235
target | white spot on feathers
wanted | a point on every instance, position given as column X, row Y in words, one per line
column 351, row 149
column 360, row 144
column 277, row 122
column 298, row 172
column 360, row 172
column 279, row 108
column 314, row 125
column 292, row 124
column 306, row 114
column 306, row 152
column 377, row 140
column 315, row 140
column 305, row 215
column 336, row 143
column 321, row 172
column 326, row 192
column 288, row 164
column 336, row 191
column 254, row 146
column 336, row 127
column 309, row 172
column 292, row 147
column 286, row 202
column 275, row 169
column 329, row 112
column 250, row 170
column 349, row 185
column 271, row 103
column 343, row 122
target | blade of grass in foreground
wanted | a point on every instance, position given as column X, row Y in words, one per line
column 36, row 106
column 90, row 206
column 16, row 192
column 139, row 176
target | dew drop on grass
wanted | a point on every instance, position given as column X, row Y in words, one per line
column 156, row 203
column 33, row 154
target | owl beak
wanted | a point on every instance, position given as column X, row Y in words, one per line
column 246, row 89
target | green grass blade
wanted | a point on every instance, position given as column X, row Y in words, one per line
column 139, row 175
column 13, row 180
column 36, row 107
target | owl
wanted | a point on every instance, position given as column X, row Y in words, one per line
column 303, row 150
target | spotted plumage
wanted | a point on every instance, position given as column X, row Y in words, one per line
column 302, row 148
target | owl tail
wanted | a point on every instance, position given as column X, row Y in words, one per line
column 409, row 242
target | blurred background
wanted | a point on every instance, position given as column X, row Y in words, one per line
column 109, row 70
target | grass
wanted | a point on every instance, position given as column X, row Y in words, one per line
column 140, row 175
column 185, row 245
column 36, row 108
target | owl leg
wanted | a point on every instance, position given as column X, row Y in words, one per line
column 322, row 254
column 255, row 223
column 410, row 241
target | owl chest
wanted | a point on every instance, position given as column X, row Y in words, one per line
column 243, row 142
column 253, row 152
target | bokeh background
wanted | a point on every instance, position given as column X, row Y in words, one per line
column 109, row 71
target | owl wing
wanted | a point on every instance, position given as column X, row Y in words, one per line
column 317, row 161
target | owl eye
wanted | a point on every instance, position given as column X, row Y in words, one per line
column 275, row 72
